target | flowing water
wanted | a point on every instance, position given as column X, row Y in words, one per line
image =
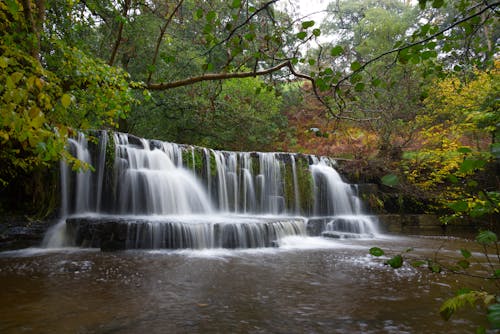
column 219, row 242
column 140, row 189
column 308, row 285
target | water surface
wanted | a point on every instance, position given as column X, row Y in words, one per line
column 308, row 285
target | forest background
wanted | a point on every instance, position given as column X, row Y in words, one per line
column 405, row 93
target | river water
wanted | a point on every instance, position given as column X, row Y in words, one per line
column 308, row 285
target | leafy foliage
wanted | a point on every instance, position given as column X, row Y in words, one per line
column 31, row 100
column 376, row 251
column 238, row 114
column 462, row 299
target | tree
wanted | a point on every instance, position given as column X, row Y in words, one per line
column 92, row 49
column 237, row 114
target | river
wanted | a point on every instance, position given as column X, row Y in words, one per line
column 308, row 285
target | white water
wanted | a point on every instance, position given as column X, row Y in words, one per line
column 152, row 182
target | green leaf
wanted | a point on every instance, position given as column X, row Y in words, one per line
column 390, row 180
column 464, row 150
column 459, row 206
column 434, row 267
column 236, row 4
column 494, row 316
column 376, row 82
column 465, row 253
column 355, row 78
column 336, row 51
column 376, row 251
column 250, row 36
column 468, row 165
column 328, row 71
column 199, row 13
column 359, row 87
column 307, row 24
column 452, row 178
column 463, row 297
column 301, row 35
column 66, row 100
column 13, row 7
column 497, row 273
column 355, row 66
column 209, row 67
column 417, row 264
column 437, row 3
column 396, row 261
column 311, row 62
column 486, row 238
column 211, row 15
column 316, row 32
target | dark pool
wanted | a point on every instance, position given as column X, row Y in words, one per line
column 309, row 285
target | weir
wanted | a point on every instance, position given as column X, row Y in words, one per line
column 151, row 194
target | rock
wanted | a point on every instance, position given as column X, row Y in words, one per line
column 19, row 232
column 316, row 225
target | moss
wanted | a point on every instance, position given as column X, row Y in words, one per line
column 110, row 151
column 306, row 185
column 254, row 157
column 289, row 193
column 213, row 164
column 198, row 160
column 186, row 157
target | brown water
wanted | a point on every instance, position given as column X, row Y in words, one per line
column 308, row 286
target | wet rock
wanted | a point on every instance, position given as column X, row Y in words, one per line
column 116, row 233
column 19, row 232
column 426, row 224
column 342, row 235
column 316, row 225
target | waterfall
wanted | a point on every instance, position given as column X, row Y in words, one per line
column 151, row 183
column 151, row 179
column 271, row 187
column 334, row 196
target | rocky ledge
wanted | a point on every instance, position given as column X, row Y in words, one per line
column 20, row 232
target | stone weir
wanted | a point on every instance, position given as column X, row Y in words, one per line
column 203, row 232
column 159, row 191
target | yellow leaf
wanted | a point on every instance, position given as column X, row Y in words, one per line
column 39, row 83
column 4, row 62
column 66, row 100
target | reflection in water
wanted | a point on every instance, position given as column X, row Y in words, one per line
column 323, row 286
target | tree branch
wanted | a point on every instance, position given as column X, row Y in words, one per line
column 160, row 38
column 233, row 31
column 118, row 41
column 422, row 41
column 217, row 76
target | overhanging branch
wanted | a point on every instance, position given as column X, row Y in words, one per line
column 217, row 76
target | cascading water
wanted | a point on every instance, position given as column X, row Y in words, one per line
column 153, row 194
column 150, row 182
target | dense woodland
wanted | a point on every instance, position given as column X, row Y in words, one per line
column 407, row 93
